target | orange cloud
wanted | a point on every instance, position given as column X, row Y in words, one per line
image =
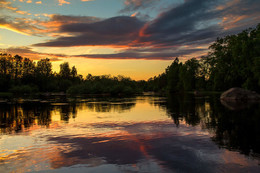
column 11, row 8
column 61, row 2
column 23, row 12
column 232, row 21
column 28, row 52
column 134, row 14
column 7, row 5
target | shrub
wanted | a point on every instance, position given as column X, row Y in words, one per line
column 24, row 89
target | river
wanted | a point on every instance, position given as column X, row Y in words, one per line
column 137, row 134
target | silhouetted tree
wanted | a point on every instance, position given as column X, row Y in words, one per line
column 65, row 71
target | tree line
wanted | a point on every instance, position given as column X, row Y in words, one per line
column 23, row 76
column 232, row 61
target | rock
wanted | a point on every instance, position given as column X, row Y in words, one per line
column 237, row 105
column 239, row 94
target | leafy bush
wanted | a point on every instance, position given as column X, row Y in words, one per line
column 100, row 88
column 24, row 89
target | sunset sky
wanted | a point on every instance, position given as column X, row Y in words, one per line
column 135, row 38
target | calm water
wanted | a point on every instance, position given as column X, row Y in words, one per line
column 141, row 134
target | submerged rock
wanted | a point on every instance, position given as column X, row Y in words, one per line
column 239, row 94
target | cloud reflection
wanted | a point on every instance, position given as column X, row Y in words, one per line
column 199, row 135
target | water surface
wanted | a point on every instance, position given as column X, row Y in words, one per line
column 140, row 134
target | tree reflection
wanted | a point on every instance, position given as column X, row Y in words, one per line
column 235, row 130
column 181, row 107
column 14, row 118
column 108, row 107
column 231, row 129
column 19, row 117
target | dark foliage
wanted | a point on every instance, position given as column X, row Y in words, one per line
column 233, row 61
column 106, row 84
column 20, row 75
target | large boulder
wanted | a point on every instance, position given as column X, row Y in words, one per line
column 237, row 105
column 239, row 94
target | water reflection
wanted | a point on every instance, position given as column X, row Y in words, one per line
column 232, row 129
column 14, row 118
column 129, row 135
column 19, row 117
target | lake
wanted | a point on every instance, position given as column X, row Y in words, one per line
column 138, row 134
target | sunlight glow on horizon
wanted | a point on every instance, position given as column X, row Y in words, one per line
column 135, row 69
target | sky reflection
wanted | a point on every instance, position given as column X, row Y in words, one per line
column 136, row 136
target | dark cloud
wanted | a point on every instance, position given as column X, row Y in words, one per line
column 200, row 22
column 19, row 50
column 180, row 19
column 183, row 24
column 3, row 21
column 133, row 5
column 73, row 19
column 28, row 52
column 113, row 31
column 196, row 37
column 193, row 23
column 148, row 54
column 138, row 53
column 113, row 26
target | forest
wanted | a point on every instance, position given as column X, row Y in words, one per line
column 232, row 61
column 20, row 75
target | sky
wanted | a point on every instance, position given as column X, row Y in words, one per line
column 134, row 38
